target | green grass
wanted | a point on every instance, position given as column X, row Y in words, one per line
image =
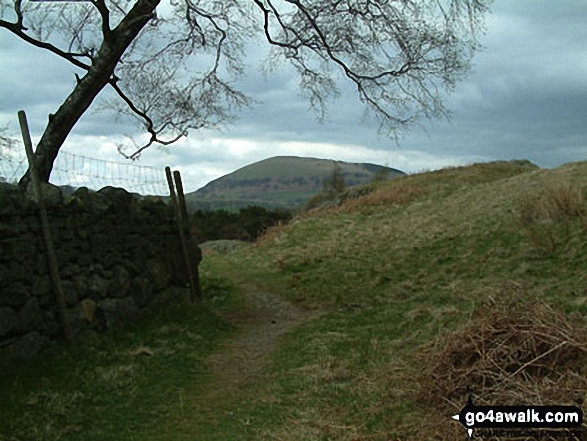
column 114, row 386
column 389, row 272
column 393, row 277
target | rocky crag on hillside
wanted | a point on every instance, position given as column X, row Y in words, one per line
column 117, row 254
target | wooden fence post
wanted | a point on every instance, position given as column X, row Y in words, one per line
column 194, row 288
column 186, row 227
column 52, row 261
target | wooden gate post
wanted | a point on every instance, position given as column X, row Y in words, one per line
column 186, row 227
column 53, row 268
column 195, row 292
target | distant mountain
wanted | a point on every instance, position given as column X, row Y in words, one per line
column 279, row 182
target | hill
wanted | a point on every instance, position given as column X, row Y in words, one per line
column 370, row 320
column 433, row 283
column 279, row 182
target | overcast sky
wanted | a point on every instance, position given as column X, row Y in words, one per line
column 525, row 97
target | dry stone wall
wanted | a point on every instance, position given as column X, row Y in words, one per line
column 118, row 254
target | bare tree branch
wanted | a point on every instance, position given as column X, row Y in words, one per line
column 8, row 142
column 175, row 74
column 18, row 10
column 397, row 54
column 17, row 29
column 148, row 125
column 350, row 73
column 105, row 14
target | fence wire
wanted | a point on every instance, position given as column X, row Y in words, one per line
column 84, row 171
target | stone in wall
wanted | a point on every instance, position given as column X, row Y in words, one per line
column 87, row 310
column 24, row 346
column 111, row 312
column 14, row 294
column 119, row 282
column 8, row 321
column 142, row 291
column 30, row 316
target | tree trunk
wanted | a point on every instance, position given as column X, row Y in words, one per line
column 88, row 87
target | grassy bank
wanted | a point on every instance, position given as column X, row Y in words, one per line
column 432, row 283
column 397, row 270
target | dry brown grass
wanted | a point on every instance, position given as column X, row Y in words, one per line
column 388, row 195
column 393, row 195
column 514, row 351
column 272, row 231
column 555, row 202
column 546, row 214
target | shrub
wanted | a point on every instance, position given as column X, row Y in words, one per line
column 547, row 213
column 555, row 202
column 332, row 187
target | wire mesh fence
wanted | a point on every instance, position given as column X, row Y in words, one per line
column 83, row 171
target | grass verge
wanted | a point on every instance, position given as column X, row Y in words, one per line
column 116, row 386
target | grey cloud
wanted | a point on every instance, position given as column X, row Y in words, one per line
column 526, row 97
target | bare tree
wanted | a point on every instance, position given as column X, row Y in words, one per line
column 7, row 142
column 172, row 65
column 334, row 184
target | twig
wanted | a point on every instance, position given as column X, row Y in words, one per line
column 538, row 358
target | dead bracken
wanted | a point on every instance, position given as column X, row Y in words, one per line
column 516, row 351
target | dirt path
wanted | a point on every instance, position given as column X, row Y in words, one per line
column 242, row 358
column 213, row 409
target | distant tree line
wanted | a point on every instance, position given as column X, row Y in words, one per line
column 268, row 182
column 246, row 224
